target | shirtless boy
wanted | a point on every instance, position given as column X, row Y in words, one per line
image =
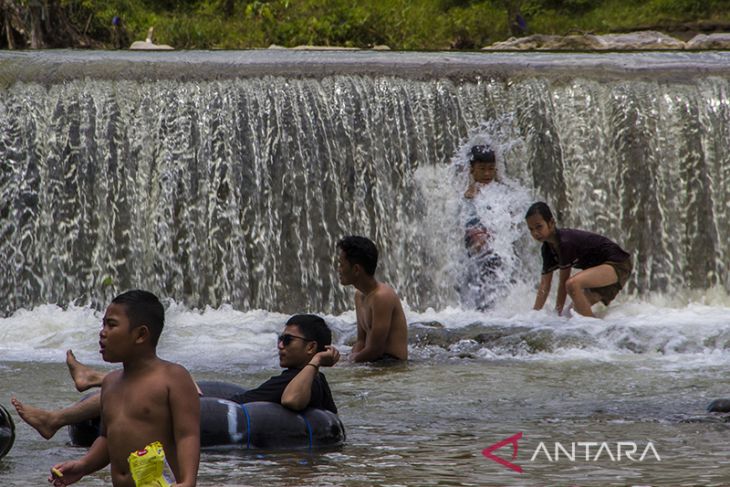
column 149, row 400
column 382, row 330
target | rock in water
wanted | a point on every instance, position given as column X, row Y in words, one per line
column 719, row 406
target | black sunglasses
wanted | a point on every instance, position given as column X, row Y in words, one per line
column 286, row 339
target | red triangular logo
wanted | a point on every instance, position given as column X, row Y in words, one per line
column 487, row 452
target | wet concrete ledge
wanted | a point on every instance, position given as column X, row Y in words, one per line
column 57, row 66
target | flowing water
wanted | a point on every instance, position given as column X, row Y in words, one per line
column 643, row 374
column 222, row 181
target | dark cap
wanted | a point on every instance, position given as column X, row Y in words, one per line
column 481, row 153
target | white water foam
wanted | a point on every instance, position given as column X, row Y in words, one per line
column 676, row 333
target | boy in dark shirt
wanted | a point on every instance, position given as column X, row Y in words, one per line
column 606, row 266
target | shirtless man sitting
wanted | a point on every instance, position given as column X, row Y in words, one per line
column 382, row 330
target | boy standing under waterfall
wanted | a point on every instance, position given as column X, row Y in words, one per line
column 478, row 288
column 382, row 330
column 606, row 266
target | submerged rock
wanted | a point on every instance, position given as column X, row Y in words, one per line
column 719, row 406
column 512, row 340
column 430, row 333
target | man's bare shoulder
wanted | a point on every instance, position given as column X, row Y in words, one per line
column 385, row 294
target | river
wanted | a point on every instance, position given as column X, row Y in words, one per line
column 222, row 180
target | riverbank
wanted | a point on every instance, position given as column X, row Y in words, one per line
column 399, row 24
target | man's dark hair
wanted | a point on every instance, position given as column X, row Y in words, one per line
column 143, row 308
column 542, row 209
column 481, row 153
column 313, row 328
column 360, row 250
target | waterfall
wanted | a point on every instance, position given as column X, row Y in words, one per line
column 234, row 189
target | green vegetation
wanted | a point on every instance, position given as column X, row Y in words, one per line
column 400, row 24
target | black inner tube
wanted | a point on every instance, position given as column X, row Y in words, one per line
column 255, row 425
column 7, row 431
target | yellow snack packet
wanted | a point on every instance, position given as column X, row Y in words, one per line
column 148, row 466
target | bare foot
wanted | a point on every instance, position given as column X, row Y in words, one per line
column 84, row 377
column 43, row 421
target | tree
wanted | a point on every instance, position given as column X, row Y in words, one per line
column 44, row 23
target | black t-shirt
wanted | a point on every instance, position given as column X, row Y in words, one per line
column 580, row 249
column 273, row 389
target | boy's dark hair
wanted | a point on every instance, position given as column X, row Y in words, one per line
column 313, row 328
column 481, row 153
column 542, row 209
column 360, row 250
column 143, row 308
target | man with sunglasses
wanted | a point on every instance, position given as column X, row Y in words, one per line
column 304, row 347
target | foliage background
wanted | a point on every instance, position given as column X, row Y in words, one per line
column 399, row 24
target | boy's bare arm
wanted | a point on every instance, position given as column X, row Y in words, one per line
column 96, row 458
column 185, row 413
column 543, row 290
column 377, row 337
